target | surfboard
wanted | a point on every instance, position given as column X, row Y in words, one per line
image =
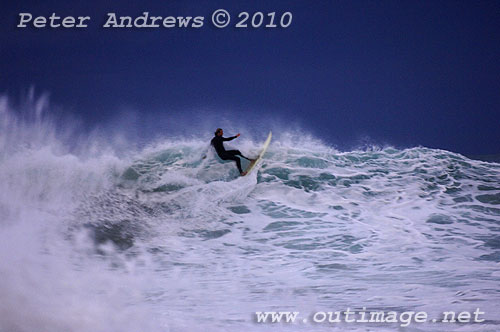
column 259, row 157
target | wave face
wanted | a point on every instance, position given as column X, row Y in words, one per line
column 164, row 240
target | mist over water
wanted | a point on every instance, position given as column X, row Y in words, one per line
column 160, row 239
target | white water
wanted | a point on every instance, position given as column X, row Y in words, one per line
column 162, row 240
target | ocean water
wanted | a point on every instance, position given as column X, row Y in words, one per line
column 160, row 239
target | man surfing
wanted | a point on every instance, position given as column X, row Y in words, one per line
column 218, row 144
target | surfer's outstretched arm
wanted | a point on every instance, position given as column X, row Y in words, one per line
column 230, row 138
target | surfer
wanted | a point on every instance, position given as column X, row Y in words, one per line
column 218, row 144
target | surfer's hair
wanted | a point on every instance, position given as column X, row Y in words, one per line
column 218, row 130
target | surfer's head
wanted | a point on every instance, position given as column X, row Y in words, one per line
column 219, row 132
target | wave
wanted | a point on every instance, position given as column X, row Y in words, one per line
column 160, row 238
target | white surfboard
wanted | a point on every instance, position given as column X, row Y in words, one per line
column 259, row 157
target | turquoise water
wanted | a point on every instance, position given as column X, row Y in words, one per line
column 163, row 240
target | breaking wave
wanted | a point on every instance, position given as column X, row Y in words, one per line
column 162, row 239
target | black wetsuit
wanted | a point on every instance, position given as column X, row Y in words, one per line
column 218, row 143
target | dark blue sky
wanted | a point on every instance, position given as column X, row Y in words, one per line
column 399, row 72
